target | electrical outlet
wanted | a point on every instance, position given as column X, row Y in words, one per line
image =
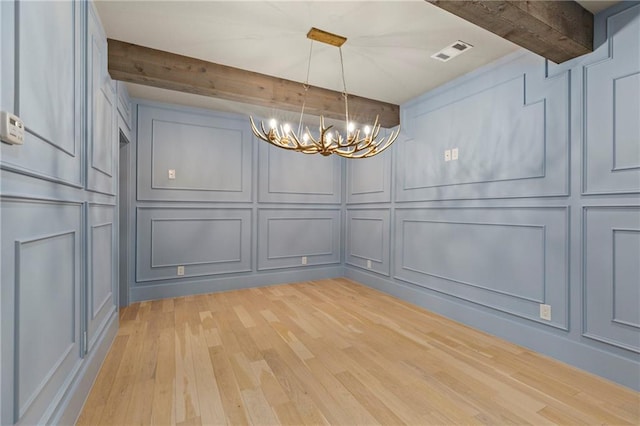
column 172, row 173
column 304, row 260
column 447, row 155
column 454, row 154
column 369, row 264
column 545, row 312
column 180, row 271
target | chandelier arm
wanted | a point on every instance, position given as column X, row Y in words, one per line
column 392, row 138
column 313, row 140
column 262, row 135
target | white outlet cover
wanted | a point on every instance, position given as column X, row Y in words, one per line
column 304, row 260
column 454, row 154
column 545, row 312
column 180, row 271
column 447, row 155
column 172, row 173
column 369, row 264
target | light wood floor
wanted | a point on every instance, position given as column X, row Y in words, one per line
column 331, row 352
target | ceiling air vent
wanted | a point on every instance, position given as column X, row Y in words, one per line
column 451, row 51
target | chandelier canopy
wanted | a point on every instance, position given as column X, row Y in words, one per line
column 353, row 142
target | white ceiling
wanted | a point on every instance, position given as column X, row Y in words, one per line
column 387, row 55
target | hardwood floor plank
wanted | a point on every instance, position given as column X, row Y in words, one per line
column 331, row 352
column 164, row 402
column 234, row 408
column 209, row 400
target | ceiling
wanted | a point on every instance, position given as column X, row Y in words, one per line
column 386, row 57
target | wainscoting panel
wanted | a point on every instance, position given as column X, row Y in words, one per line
column 102, row 141
column 462, row 252
column 48, row 88
column 523, row 154
column 210, row 154
column 284, row 236
column 612, row 275
column 292, row 177
column 101, row 269
column 612, row 110
column 40, row 303
column 368, row 239
column 203, row 241
column 369, row 181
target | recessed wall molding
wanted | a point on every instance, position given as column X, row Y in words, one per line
column 285, row 236
column 42, row 300
column 367, row 242
column 369, row 181
column 53, row 145
column 102, row 269
column 525, row 154
column 611, row 143
column 210, row 156
column 528, row 274
column 205, row 241
column 611, row 275
column 289, row 177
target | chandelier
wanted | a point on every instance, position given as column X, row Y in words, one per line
column 354, row 142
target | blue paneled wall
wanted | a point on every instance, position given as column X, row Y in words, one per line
column 59, row 229
column 213, row 208
column 540, row 208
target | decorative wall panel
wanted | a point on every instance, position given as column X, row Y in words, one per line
column 292, row 177
column 463, row 252
column 101, row 272
column 285, row 236
column 369, row 181
column 209, row 154
column 612, row 275
column 48, row 82
column 203, row 241
column 102, row 142
column 524, row 153
column 367, row 239
column 40, row 303
column 612, row 110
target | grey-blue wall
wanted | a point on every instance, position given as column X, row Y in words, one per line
column 58, row 301
column 541, row 207
column 239, row 212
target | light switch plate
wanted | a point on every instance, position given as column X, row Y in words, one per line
column 454, row 154
column 172, row 173
column 447, row 155
column 180, row 271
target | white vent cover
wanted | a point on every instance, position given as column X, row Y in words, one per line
column 452, row 51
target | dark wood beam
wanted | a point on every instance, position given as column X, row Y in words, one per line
column 556, row 30
column 151, row 67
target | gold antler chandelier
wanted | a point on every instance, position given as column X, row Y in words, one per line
column 354, row 143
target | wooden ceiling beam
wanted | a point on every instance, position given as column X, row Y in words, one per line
column 556, row 30
column 151, row 67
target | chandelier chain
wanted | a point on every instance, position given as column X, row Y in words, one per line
column 344, row 93
column 306, row 88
